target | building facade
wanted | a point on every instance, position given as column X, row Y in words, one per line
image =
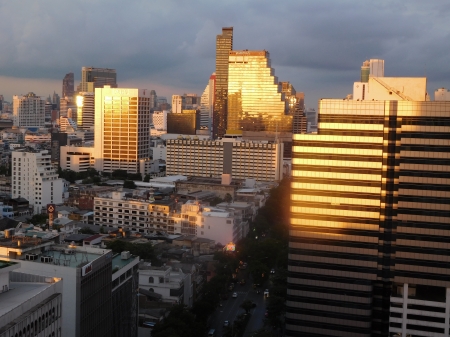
column 85, row 110
column 68, row 85
column 28, row 111
column 92, row 78
column 207, row 104
column 205, row 158
column 184, row 123
column 224, row 44
column 370, row 227
column 76, row 158
column 255, row 100
column 159, row 119
column 122, row 128
column 35, row 179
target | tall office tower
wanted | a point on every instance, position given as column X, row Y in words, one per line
column 122, row 128
column 29, row 111
column 153, row 100
column 442, row 94
column 177, row 104
column 159, row 120
column 207, row 104
column 85, row 110
column 370, row 226
column 377, row 67
column 224, row 44
column 66, row 103
column 255, row 100
column 92, row 78
column 1, row 103
column 56, row 100
column 365, row 71
column 68, row 85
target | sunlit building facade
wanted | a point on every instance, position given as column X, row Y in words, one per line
column 207, row 104
column 122, row 128
column 224, row 44
column 68, row 87
column 370, row 226
column 28, row 111
column 255, row 100
column 85, row 110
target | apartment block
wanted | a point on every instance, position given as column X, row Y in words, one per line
column 262, row 161
column 76, row 158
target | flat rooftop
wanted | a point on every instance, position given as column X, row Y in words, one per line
column 118, row 262
column 19, row 293
column 74, row 257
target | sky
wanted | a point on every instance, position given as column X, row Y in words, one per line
column 169, row 46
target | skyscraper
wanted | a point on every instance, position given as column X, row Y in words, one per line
column 85, row 110
column 29, row 111
column 122, row 128
column 68, row 86
column 224, row 44
column 370, row 227
column 92, row 78
column 255, row 100
column 207, row 104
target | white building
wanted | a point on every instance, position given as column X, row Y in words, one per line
column 35, row 179
column 207, row 104
column 122, row 128
column 76, row 158
column 66, row 124
column 442, row 94
column 262, row 161
column 29, row 111
column 177, row 104
column 159, row 119
column 85, row 110
column 30, row 303
column 159, row 152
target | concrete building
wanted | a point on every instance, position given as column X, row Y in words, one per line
column 177, row 104
column 67, row 124
column 85, row 110
column 442, row 94
column 29, row 111
column 68, row 85
column 207, row 104
column 122, row 128
column 30, row 303
column 369, row 224
column 159, row 119
column 184, row 123
column 35, row 179
column 86, row 273
column 76, row 158
column 260, row 160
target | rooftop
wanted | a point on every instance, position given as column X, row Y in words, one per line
column 118, row 262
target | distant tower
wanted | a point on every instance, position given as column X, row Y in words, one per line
column 224, row 44
column 92, row 78
column 365, row 71
column 376, row 67
column 177, row 104
column 68, row 86
column 153, row 100
column 85, row 110
column 207, row 104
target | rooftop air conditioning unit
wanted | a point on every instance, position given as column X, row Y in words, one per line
column 31, row 257
column 125, row 255
column 46, row 259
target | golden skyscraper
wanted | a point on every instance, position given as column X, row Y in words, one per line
column 255, row 100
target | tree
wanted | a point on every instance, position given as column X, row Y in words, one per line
column 216, row 200
column 146, row 178
column 228, row 198
column 247, row 305
column 38, row 219
column 86, row 230
column 143, row 250
column 119, row 174
column 129, row 184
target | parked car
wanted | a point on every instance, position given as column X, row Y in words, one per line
column 272, row 271
column 266, row 293
column 226, row 323
column 149, row 324
column 234, row 295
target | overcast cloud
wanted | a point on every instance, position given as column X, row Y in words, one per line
column 169, row 45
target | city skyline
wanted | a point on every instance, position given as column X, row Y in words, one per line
column 314, row 46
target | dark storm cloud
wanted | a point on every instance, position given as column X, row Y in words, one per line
column 317, row 45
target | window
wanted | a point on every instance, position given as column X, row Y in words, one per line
column 161, row 280
column 150, row 280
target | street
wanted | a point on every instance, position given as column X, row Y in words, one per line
column 231, row 309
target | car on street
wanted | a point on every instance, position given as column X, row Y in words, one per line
column 266, row 293
column 226, row 323
column 272, row 271
column 234, row 295
column 149, row 324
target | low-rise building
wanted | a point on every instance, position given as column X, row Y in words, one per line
column 76, row 158
column 30, row 303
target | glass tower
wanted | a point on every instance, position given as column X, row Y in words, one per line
column 370, row 221
column 92, row 78
column 224, row 44
column 255, row 100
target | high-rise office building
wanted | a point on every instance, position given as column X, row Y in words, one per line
column 224, row 44
column 68, row 86
column 92, row 78
column 122, row 128
column 207, row 104
column 370, row 225
column 29, row 111
column 177, row 104
column 255, row 100
column 153, row 100
column 85, row 110
column 184, row 123
column 442, row 94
